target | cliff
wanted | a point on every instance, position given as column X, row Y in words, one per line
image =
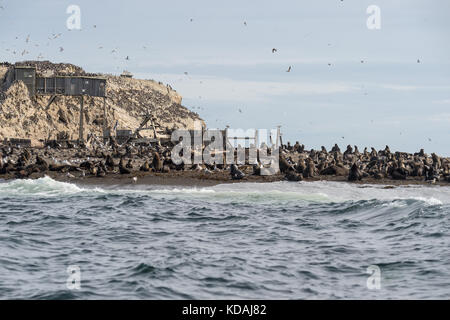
column 128, row 99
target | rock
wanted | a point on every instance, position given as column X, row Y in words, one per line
column 62, row 117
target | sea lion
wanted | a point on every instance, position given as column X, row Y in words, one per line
column 122, row 167
column 43, row 165
column 7, row 167
column 101, row 166
column 373, row 152
column 421, row 153
column 436, row 161
column 349, row 150
column 129, row 164
column 145, row 167
column 93, row 170
column 309, row 171
column 109, row 161
column 235, row 173
column 289, row 147
column 284, row 164
column 293, row 176
column 417, row 169
column 256, row 169
column 432, row 174
column 100, row 172
column 398, row 173
column 354, row 173
column 301, row 165
column 366, row 153
column 157, row 164
column 86, row 164
column 335, row 148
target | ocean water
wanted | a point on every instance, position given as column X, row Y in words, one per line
column 308, row 240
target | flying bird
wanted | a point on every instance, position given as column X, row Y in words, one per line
column 418, row 61
column 61, row 49
column 274, row 50
column 127, row 58
column 289, row 69
column 245, row 23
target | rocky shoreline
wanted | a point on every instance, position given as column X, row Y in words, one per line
column 113, row 164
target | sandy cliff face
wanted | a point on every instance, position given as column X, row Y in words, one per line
column 128, row 99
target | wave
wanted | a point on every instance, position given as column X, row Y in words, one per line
column 45, row 187
column 318, row 192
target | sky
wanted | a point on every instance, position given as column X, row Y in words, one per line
column 348, row 84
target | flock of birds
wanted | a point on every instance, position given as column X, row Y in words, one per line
column 115, row 51
column 54, row 36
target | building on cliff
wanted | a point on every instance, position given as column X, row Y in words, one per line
column 64, row 85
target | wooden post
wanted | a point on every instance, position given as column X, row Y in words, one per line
column 81, row 133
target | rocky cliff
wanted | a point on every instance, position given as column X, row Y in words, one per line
column 128, row 99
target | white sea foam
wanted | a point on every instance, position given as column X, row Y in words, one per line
column 45, row 187
column 319, row 191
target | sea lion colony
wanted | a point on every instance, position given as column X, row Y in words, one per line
column 22, row 117
column 296, row 164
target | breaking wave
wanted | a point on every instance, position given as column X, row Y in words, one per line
column 319, row 191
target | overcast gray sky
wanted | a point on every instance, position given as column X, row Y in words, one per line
column 329, row 96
